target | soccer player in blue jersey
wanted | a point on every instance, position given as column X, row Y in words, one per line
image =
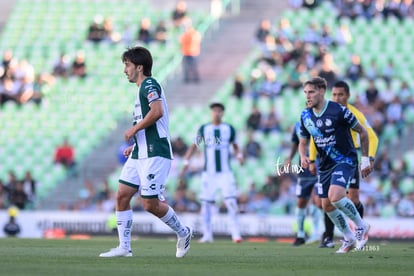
column 304, row 191
column 149, row 159
column 217, row 138
column 329, row 124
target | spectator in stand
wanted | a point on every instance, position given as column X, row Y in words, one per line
column 238, row 87
column 383, row 166
column 405, row 207
column 111, row 35
column 252, row 149
column 343, row 35
column 184, row 200
column 372, row 93
column 96, row 31
column 18, row 196
column 328, row 70
column 65, row 155
column 78, row 68
column 62, row 66
column 11, row 183
column 297, row 76
column 263, row 31
column 4, row 196
column 392, row 8
column 254, row 120
column 371, row 73
column 270, row 122
column 179, row 147
column 270, row 87
column 388, row 73
column 179, row 14
column 29, row 187
column 5, row 64
column 161, row 32
column 394, row 114
column 190, row 42
column 355, row 71
column 144, row 32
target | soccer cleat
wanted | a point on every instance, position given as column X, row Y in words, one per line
column 299, row 242
column 327, row 243
column 346, row 246
column 183, row 244
column 361, row 235
column 205, row 239
column 117, row 252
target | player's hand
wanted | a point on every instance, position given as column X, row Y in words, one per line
column 366, row 166
column 312, row 168
column 129, row 133
column 304, row 162
column 128, row 151
column 365, row 172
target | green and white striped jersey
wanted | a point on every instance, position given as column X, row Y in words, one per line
column 217, row 141
column 154, row 140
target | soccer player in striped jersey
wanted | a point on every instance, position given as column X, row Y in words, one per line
column 149, row 158
column 217, row 137
column 329, row 124
column 341, row 94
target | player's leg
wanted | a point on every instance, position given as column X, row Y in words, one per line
column 207, row 198
column 341, row 177
column 302, row 194
column 315, row 212
column 229, row 189
column 128, row 186
column 328, row 236
column 337, row 217
column 353, row 193
column 154, row 172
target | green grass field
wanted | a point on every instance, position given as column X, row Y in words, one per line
column 157, row 257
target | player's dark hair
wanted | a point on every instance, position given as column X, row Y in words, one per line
column 318, row 82
column 139, row 56
column 219, row 105
column 344, row 85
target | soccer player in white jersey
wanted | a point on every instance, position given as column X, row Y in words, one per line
column 217, row 137
column 149, row 158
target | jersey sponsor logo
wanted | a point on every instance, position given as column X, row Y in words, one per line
column 153, row 186
column 338, row 173
column 325, row 141
column 329, row 130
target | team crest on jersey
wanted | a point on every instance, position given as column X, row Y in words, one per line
column 328, row 122
column 319, row 123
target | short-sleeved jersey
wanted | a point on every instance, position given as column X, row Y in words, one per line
column 216, row 140
column 154, row 140
column 295, row 139
column 330, row 132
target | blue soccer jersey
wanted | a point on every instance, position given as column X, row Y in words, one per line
column 330, row 132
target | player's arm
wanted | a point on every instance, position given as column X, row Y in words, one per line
column 293, row 150
column 190, row 151
column 154, row 114
column 303, row 150
column 238, row 153
column 365, row 163
column 373, row 145
column 312, row 156
column 372, row 136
